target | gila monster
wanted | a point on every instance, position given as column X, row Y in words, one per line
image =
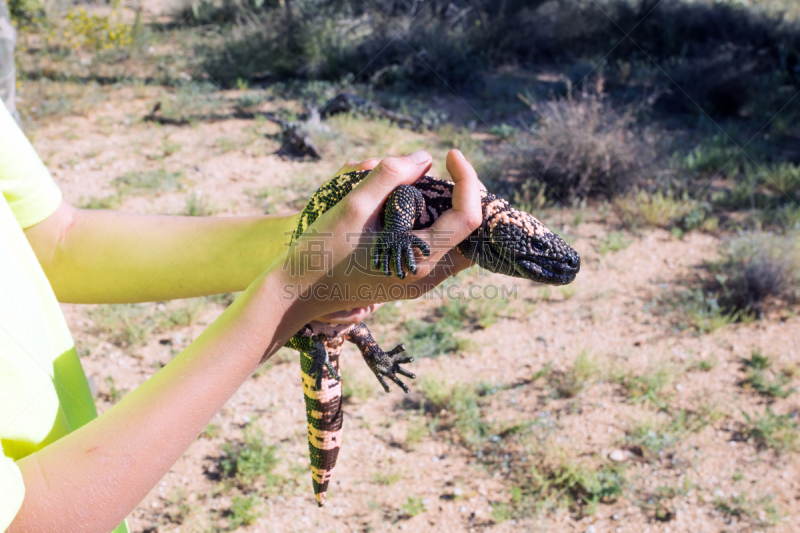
column 508, row 241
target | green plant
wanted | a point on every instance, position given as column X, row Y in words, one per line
column 114, row 394
column 649, row 386
column 570, row 383
column 243, row 511
column 98, row 32
column 757, row 377
column 178, row 508
column 249, row 459
column 704, row 312
column 197, row 205
column 431, row 339
column 387, row 477
column 563, row 482
column 461, row 402
column 138, row 182
column 769, row 430
column 224, row 144
column 105, row 202
column 356, row 389
column 413, row 506
column 651, row 439
column 613, row 241
column 758, row 512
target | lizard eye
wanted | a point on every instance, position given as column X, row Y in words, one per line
column 539, row 246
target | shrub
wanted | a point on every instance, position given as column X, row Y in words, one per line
column 581, row 148
column 755, row 270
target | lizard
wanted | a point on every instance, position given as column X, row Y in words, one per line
column 508, row 241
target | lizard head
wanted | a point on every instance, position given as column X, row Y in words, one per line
column 514, row 243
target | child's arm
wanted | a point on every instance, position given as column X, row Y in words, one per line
column 96, row 256
column 89, row 480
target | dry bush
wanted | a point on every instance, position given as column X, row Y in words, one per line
column 581, row 148
column 756, row 271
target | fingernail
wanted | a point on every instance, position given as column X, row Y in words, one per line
column 419, row 157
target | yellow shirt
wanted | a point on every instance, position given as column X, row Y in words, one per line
column 43, row 390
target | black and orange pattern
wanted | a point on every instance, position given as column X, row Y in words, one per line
column 508, row 241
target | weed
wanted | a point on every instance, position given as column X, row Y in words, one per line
column 250, row 459
column 357, row 389
column 451, row 137
column 650, row 439
column 431, row 339
column 665, row 211
column 649, row 386
column 414, row 506
column 581, row 147
column 613, row 241
column 114, row 394
column 504, row 131
column 417, row 428
column 563, row 482
column 197, row 205
column 758, row 374
column 269, row 198
column 168, row 147
column 769, row 430
column 243, row 511
column 461, row 402
column 106, row 202
column 570, row 383
column 225, row 145
column 703, row 311
column 178, row 509
column 124, row 324
column 707, row 364
column 714, row 154
column 212, row 431
column 387, row 477
column 98, row 32
column 755, row 270
column 148, row 181
column 758, row 512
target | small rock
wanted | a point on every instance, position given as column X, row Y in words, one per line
column 617, row 456
column 591, row 529
column 615, row 516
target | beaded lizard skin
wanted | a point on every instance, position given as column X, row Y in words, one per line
column 508, row 242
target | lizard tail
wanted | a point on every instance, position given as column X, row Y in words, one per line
column 324, row 416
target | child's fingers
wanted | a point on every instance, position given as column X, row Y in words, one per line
column 351, row 166
column 456, row 224
column 387, row 176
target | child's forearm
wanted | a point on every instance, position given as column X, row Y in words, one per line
column 92, row 478
column 107, row 257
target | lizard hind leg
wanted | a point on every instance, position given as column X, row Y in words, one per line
column 324, row 416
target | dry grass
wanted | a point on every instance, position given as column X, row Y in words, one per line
column 756, row 271
column 582, row 147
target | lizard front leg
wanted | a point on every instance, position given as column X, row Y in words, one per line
column 383, row 364
column 396, row 242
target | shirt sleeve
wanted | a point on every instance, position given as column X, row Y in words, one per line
column 12, row 490
column 25, row 182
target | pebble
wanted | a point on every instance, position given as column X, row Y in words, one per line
column 617, row 456
column 591, row 529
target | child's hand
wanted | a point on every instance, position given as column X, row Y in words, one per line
column 348, row 225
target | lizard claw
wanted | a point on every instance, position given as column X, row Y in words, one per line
column 397, row 248
column 387, row 365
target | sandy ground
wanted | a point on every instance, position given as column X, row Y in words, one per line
column 611, row 312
